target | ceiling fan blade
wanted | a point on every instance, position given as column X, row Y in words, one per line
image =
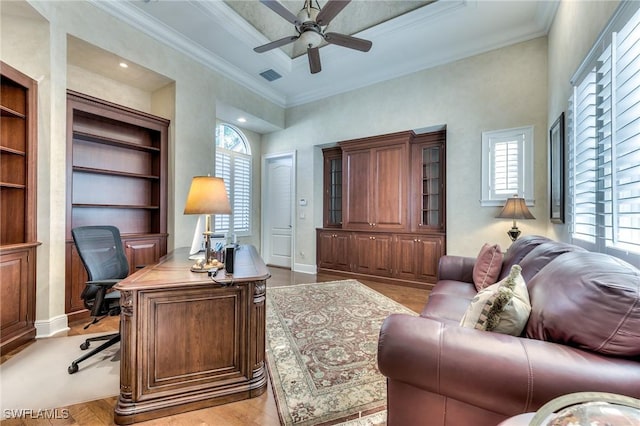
column 278, row 8
column 274, row 44
column 330, row 10
column 348, row 41
column 314, row 60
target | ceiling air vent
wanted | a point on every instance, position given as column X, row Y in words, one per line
column 270, row 75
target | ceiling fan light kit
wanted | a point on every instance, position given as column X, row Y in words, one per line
column 310, row 24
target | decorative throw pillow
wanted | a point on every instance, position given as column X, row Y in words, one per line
column 503, row 307
column 488, row 266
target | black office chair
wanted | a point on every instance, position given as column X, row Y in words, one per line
column 102, row 254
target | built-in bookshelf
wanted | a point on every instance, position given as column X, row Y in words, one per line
column 117, row 175
column 18, row 142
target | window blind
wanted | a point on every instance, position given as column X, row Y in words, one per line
column 506, row 168
column 223, row 170
column 235, row 168
column 604, row 140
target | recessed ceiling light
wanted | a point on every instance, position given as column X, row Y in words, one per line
column 242, row 120
column 124, row 65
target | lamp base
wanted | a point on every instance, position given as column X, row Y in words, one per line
column 201, row 266
column 513, row 233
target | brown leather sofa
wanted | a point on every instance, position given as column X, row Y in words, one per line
column 583, row 334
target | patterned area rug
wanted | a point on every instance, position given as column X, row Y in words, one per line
column 322, row 342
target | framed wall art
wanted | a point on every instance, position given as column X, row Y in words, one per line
column 556, row 170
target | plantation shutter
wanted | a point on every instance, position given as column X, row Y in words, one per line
column 506, row 168
column 242, row 194
column 583, row 155
column 624, row 173
column 223, row 170
column 604, row 140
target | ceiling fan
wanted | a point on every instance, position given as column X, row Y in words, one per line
column 310, row 25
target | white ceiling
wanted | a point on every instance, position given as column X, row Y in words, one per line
column 407, row 36
column 429, row 34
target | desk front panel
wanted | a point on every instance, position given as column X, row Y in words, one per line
column 188, row 342
column 196, row 338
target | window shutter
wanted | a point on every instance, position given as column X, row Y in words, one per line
column 242, row 194
column 583, row 160
column 625, row 174
column 604, row 140
column 223, row 170
column 506, row 179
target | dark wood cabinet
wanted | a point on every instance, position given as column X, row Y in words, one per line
column 375, row 182
column 415, row 255
column 427, row 182
column 333, row 249
column 372, row 254
column 332, row 186
column 393, row 208
column 117, row 175
column 18, row 142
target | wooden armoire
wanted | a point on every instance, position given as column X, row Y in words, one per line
column 384, row 207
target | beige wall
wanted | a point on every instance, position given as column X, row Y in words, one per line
column 500, row 89
column 574, row 31
column 514, row 86
column 38, row 47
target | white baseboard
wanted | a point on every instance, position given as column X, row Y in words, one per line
column 55, row 325
column 305, row 268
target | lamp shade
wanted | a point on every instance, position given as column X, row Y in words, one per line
column 515, row 208
column 207, row 195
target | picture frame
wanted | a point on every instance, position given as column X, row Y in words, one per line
column 556, row 170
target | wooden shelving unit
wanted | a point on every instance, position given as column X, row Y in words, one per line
column 392, row 208
column 117, row 175
column 18, row 142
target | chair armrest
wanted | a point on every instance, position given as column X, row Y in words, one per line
column 456, row 268
column 501, row 373
column 105, row 283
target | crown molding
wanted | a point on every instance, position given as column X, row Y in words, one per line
column 168, row 36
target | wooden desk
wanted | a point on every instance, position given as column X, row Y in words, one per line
column 190, row 341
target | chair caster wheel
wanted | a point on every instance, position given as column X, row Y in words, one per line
column 84, row 346
column 72, row 368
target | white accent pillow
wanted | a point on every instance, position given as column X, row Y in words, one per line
column 503, row 307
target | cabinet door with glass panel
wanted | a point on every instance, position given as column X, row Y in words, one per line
column 428, row 182
column 332, row 187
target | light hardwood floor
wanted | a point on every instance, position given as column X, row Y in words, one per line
column 259, row 411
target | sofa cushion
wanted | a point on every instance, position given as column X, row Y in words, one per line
column 541, row 255
column 518, row 250
column 587, row 300
column 449, row 300
column 488, row 266
column 502, row 307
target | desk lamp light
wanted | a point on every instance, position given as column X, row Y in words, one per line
column 207, row 196
column 515, row 208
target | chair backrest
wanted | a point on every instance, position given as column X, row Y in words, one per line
column 100, row 249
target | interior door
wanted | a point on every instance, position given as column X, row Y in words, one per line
column 278, row 203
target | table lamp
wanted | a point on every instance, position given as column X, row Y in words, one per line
column 515, row 208
column 207, row 196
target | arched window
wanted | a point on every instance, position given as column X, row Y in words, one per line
column 233, row 164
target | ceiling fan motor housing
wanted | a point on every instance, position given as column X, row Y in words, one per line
column 310, row 31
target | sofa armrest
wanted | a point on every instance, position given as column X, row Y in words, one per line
column 501, row 373
column 456, row 268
